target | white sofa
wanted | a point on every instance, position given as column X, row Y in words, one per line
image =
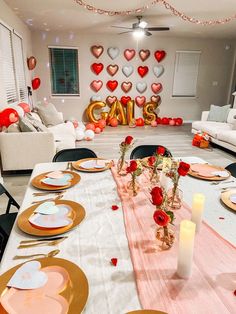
column 22, row 151
column 222, row 134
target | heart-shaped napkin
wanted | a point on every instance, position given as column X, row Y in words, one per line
column 55, row 175
column 233, row 198
column 57, row 220
column 222, row 174
column 65, row 180
column 91, row 164
column 28, row 276
column 47, row 208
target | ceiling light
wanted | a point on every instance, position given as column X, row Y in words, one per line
column 138, row 33
column 142, row 24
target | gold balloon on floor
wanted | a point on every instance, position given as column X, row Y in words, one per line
column 149, row 114
column 130, row 111
column 90, row 110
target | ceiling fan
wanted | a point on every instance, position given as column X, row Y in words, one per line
column 140, row 28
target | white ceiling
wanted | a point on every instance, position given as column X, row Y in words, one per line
column 66, row 15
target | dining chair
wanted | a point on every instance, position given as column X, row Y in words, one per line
column 146, row 151
column 232, row 169
column 73, row 154
column 6, row 220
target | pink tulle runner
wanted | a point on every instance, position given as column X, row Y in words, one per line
column 213, row 281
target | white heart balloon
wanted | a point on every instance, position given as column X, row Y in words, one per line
column 113, row 52
column 158, row 70
column 127, row 70
column 96, row 98
column 141, row 87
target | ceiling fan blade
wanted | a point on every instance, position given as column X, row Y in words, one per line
column 121, row 27
column 148, row 33
column 157, row 29
column 125, row 32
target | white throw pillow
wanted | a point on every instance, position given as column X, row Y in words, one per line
column 49, row 114
column 218, row 113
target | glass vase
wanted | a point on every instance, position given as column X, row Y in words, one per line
column 174, row 198
column 121, row 166
column 133, row 187
column 165, row 237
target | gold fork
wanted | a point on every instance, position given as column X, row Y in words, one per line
column 49, row 199
column 51, row 243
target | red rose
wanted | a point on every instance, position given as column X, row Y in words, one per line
column 161, row 218
column 133, row 165
column 128, row 140
column 157, row 196
column 156, row 190
column 183, row 168
column 161, row 150
column 151, row 160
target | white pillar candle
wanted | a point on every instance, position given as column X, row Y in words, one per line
column 186, row 244
column 197, row 209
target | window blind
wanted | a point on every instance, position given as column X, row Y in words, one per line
column 64, row 71
column 186, row 73
column 7, row 65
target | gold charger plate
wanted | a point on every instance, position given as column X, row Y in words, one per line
column 225, row 198
column 146, row 312
column 76, row 291
column 76, row 165
column 36, row 182
column 216, row 178
column 77, row 215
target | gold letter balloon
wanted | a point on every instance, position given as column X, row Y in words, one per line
column 90, row 110
column 149, row 112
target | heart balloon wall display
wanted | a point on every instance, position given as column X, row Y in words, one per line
column 127, row 70
column 126, row 86
column 110, row 100
column 156, row 87
column 124, row 100
column 129, row 54
column 97, row 68
column 142, row 70
column 96, row 85
column 96, row 51
column 156, row 99
column 158, row 70
column 112, row 85
column 140, row 101
column 96, row 98
column 112, row 69
column 31, row 62
column 141, row 87
column 159, row 55
column 36, row 83
column 113, row 52
column 144, row 54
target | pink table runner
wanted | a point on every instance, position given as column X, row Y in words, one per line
column 213, row 281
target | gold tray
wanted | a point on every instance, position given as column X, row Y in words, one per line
column 77, row 215
column 76, row 292
column 216, row 178
column 76, row 165
column 225, row 198
column 146, row 312
column 36, row 182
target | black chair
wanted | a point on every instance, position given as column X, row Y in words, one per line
column 73, row 154
column 146, row 151
column 232, row 169
column 6, row 220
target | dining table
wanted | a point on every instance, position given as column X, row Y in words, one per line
column 105, row 234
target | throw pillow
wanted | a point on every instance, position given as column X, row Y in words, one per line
column 13, row 128
column 218, row 113
column 26, row 126
column 36, row 123
column 49, row 115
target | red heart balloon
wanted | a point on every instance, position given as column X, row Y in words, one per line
column 110, row 100
column 139, row 122
column 112, row 85
column 97, row 68
column 112, row 69
column 144, row 54
column 140, row 100
column 129, row 54
column 159, row 55
column 97, row 51
column 124, row 100
column 36, row 83
column 142, row 71
column 96, row 85
column 156, row 87
column 126, row 86
column 156, row 99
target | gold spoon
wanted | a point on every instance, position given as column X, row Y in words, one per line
column 50, row 254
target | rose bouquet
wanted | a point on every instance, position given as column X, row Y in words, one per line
column 124, row 147
column 135, row 169
column 162, row 217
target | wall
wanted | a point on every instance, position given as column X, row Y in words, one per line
column 11, row 19
column 215, row 65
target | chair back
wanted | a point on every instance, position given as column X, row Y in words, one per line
column 146, row 151
column 11, row 200
column 232, row 169
column 73, row 154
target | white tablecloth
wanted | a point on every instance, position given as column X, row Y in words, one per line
column 102, row 236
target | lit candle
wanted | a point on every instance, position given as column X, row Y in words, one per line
column 197, row 209
column 186, row 244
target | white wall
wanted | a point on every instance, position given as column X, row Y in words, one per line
column 11, row 19
column 215, row 65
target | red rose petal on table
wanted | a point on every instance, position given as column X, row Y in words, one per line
column 221, row 217
column 235, row 292
column 114, row 261
column 114, row 207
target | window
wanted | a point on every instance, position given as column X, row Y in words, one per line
column 12, row 71
column 64, row 71
column 186, row 73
